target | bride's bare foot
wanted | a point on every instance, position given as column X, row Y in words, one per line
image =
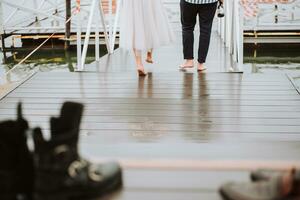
column 149, row 57
column 141, row 71
column 201, row 67
column 188, row 64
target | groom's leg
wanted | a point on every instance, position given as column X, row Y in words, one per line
column 206, row 17
column 188, row 21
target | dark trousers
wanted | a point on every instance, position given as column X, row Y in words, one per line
column 189, row 13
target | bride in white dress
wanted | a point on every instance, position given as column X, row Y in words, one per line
column 144, row 26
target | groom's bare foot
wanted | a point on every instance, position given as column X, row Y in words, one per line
column 201, row 67
column 188, row 64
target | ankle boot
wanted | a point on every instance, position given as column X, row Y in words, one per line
column 60, row 172
column 16, row 169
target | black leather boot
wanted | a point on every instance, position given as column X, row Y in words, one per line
column 60, row 173
column 16, row 168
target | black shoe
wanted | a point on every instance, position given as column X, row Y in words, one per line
column 60, row 173
column 16, row 168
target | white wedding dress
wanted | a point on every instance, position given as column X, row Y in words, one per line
column 144, row 25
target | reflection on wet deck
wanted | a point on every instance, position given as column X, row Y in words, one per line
column 171, row 116
column 220, row 111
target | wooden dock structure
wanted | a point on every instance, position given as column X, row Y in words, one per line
column 178, row 135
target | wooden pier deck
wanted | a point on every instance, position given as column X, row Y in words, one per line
column 178, row 135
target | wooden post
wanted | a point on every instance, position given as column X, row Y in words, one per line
column 68, row 25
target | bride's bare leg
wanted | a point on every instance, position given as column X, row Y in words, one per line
column 139, row 62
column 149, row 56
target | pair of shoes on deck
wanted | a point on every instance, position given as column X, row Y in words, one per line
column 54, row 171
column 265, row 185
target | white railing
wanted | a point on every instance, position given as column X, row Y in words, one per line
column 97, row 16
column 275, row 16
column 230, row 29
column 93, row 19
column 18, row 15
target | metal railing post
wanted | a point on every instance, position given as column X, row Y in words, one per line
column 101, row 13
column 110, row 23
column 231, row 31
column 117, row 16
column 241, row 39
column 97, row 40
column 78, row 34
column 87, row 35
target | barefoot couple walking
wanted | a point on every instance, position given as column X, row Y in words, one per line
column 145, row 26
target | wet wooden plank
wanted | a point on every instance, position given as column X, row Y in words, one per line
column 205, row 149
column 163, row 195
column 180, row 179
column 185, row 95
column 37, row 119
column 159, row 81
column 176, row 75
column 158, row 106
column 107, row 91
column 203, row 102
column 212, row 86
column 150, row 127
column 171, row 113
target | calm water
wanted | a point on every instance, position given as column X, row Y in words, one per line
column 272, row 58
column 257, row 59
